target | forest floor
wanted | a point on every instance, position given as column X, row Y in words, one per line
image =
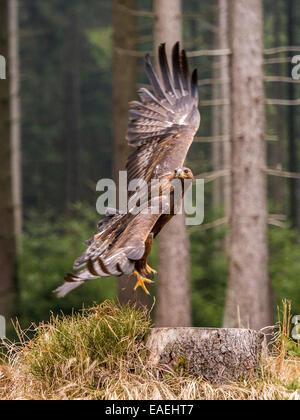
column 100, row 354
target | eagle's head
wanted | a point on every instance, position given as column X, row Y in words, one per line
column 184, row 173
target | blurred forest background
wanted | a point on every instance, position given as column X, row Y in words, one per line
column 72, row 98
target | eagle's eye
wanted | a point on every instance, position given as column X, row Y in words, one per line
column 186, row 171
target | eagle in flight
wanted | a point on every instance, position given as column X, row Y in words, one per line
column 161, row 128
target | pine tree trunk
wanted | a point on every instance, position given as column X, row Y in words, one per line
column 71, row 108
column 292, row 149
column 7, row 240
column 278, row 149
column 13, row 11
column 249, row 295
column 225, row 96
column 216, row 120
column 173, row 295
column 124, row 90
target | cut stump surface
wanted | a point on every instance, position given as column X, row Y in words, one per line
column 218, row 355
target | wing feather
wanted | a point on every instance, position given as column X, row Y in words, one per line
column 162, row 126
column 165, row 70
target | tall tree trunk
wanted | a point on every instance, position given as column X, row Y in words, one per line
column 216, row 120
column 173, row 296
column 225, row 96
column 221, row 114
column 7, row 239
column 124, row 90
column 15, row 138
column 292, row 150
column 278, row 149
column 71, row 108
column 249, row 295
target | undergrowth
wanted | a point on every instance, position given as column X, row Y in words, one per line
column 99, row 353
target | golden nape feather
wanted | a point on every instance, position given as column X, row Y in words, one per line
column 162, row 126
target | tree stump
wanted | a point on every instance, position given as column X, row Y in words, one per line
column 217, row 355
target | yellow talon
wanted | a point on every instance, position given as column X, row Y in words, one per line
column 150, row 270
column 141, row 282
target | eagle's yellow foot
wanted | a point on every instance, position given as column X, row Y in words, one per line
column 141, row 282
column 150, row 270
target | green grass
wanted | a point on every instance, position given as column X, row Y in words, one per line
column 99, row 353
column 104, row 334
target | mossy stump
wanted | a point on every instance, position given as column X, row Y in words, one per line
column 218, row 355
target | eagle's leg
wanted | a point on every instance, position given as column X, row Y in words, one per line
column 141, row 282
column 148, row 247
column 150, row 270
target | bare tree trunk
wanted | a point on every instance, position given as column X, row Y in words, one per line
column 292, row 149
column 7, row 240
column 225, row 96
column 124, row 90
column 278, row 152
column 216, row 120
column 71, row 108
column 173, row 296
column 249, row 295
column 15, row 138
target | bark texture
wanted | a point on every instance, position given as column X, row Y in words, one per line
column 249, row 296
column 15, row 135
column 221, row 113
column 7, row 240
column 216, row 121
column 277, row 155
column 292, row 139
column 124, row 90
column 173, row 296
column 225, row 96
column 217, row 355
column 71, row 132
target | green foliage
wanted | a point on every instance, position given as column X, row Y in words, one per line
column 209, row 274
column 50, row 246
column 104, row 334
column 285, row 266
column 101, row 43
column 294, row 385
column 46, row 127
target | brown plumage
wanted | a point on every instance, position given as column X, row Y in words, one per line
column 161, row 129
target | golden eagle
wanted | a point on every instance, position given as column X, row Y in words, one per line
column 161, row 129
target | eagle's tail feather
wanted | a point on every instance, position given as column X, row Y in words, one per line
column 67, row 287
column 72, row 281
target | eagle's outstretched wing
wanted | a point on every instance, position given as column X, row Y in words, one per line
column 161, row 129
column 118, row 243
column 162, row 126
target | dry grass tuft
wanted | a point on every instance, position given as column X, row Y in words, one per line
column 99, row 354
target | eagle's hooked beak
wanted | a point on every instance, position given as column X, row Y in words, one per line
column 180, row 174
